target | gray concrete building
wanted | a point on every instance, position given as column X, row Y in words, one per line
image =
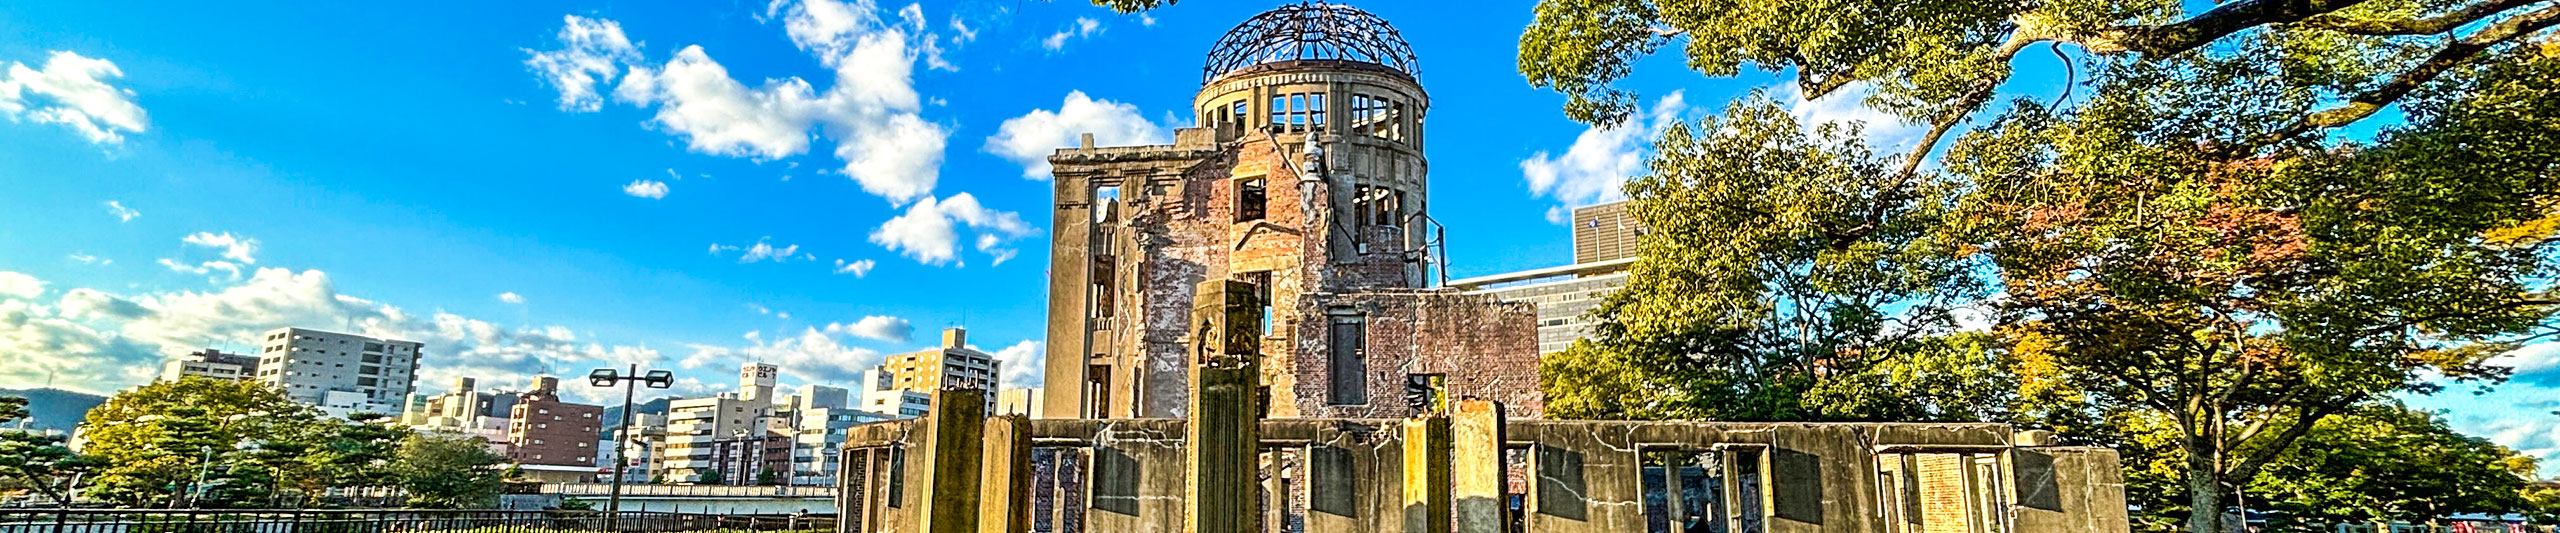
column 338, row 372
column 210, row 364
column 1604, row 246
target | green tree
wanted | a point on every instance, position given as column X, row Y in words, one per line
column 2189, row 235
column 441, row 471
column 355, row 452
column 36, row 462
column 2389, row 463
column 156, row 439
column 1771, row 291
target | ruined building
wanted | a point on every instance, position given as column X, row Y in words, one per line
column 1306, row 179
column 1244, row 339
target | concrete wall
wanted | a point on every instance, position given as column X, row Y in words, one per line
column 1349, row 475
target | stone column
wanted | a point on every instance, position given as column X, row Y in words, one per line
column 1476, row 466
column 1426, row 474
column 1004, row 504
column 1225, row 451
column 947, row 472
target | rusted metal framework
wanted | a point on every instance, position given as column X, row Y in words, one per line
column 1310, row 31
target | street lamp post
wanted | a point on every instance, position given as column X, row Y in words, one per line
column 605, row 377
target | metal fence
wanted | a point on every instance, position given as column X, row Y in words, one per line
column 392, row 521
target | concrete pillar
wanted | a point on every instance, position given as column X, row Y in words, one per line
column 1004, row 504
column 1476, row 467
column 946, row 474
column 1225, row 451
column 1426, row 474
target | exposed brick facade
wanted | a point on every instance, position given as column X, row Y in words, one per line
column 1137, row 229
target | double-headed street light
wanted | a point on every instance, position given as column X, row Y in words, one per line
column 605, row 377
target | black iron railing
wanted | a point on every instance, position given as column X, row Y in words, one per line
column 393, row 521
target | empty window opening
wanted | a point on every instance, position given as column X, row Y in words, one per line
column 1099, row 300
column 1262, row 297
column 1426, row 393
column 1315, row 112
column 1279, row 113
column 1684, row 492
column 1297, row 113
column 1251, row 199
column 1368, row 115
column 1377, row 206
column 1396, row 121
column 1097, row 387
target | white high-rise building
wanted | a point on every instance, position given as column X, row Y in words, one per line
column 338, row 372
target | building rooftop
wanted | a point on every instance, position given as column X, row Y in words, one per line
column 1310, row 32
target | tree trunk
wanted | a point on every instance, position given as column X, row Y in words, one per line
column 2204, row 487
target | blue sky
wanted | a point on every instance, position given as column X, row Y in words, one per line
column 555, row 186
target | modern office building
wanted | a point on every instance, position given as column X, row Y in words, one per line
column 340, row 373
column 210, row 364
column 1604, row 244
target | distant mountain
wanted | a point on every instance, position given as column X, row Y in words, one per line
column 55, row 408
column 613, row 414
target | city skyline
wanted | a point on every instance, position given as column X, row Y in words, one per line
column 554, row 200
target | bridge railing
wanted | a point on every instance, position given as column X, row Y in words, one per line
column 689, row 491
column 394, row 521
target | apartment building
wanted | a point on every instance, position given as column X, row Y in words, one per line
column 210, row 364
column 338, row 372
column 550, row 439
column 697, row 428
column 903, row 385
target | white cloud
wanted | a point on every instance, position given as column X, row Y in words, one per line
column 72, row 91
column 858, row 268
column 91, row 259
column 233, row 247
column 95, row 341
column 122, row 213
column 511, row 297
column 1602, row 158
column 870, row 111
column 1083, row 27
column 1024, row 364
column 762, row 250
column 927, row 233
column 237, row 254
column 593, row 52
column 813, row 354
column 1146, row 20
column 1848, row 105
column 961, row 31
column 204, row 268
column 20, row 285
column 1029, row 139
column 651, row 189
column 876, row 327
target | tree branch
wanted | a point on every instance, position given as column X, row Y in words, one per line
column 2174, row 38
column 2452, row 55
column 2425, row 26
column 2247, row 467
